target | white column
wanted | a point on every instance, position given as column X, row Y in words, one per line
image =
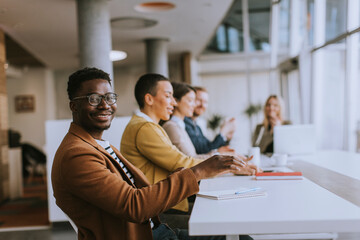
column 157, row 56
column 352, row 76
column 94, row 34
column 50, row 95
column 295, row 37
column 274, row 43
column 318, row 70
column 246, row 25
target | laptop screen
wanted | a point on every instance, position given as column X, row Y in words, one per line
column 295, row 139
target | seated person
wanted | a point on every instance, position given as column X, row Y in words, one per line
column 184, row 95
column 273, row 116
column 175, row 127
column 144, row 142
column 201, row 143
column 102, row 192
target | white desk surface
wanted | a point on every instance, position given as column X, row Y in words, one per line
column 291, row 206
column 346, row 163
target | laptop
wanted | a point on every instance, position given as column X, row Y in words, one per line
column 295, row 139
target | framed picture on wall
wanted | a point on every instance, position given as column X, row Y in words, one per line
column 24, row 103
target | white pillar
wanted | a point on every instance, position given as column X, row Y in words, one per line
column 274, row 43
column 352, row 75
column 94, row 34
column 318, row 71
column 157, row 56
column 295, row 37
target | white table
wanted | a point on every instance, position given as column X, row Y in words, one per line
column 291, row 206
column 346, row 163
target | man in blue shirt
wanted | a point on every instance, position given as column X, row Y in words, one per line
column 201, row 143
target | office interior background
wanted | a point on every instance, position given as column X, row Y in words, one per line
column 242, row 51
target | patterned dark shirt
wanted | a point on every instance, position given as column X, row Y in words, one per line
column 201, row 143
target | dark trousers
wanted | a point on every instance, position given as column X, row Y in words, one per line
column 164, row 232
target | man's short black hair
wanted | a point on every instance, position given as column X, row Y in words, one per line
column 85, row 74
column 147, row 83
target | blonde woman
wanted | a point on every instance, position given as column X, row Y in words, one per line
column 273, row 116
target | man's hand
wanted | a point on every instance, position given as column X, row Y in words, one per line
column 225, row 150
column 228, row 128
column 220, row 164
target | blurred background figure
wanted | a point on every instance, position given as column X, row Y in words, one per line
column 201, row 143
column 273, row 116
column 185, row 98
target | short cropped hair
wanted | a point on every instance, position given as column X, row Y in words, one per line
column 181, row 89
column 82, row 75
column 147, row 83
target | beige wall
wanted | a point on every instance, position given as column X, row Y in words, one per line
column 31, row 125
column 232, row 89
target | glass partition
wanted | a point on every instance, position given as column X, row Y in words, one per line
column 284, row 26
column 229, row 37
column 310, row 21
column 336, row 13
column 259, row 24
column 333, row 100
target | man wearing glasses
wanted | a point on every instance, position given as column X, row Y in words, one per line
column 103, row 193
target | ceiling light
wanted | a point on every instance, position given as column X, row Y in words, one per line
column 132, row 23
column 154, row 7
column 117, row 55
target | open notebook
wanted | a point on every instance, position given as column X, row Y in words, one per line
column 233, row 193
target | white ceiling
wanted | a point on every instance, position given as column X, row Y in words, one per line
column 48, row 28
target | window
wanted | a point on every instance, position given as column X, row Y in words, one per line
column 229, row 37
column 335, row 18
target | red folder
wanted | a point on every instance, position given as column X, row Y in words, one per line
column 278, row 175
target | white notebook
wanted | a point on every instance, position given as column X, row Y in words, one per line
column 233, row 193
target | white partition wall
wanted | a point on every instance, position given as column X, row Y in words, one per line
column 55, row 132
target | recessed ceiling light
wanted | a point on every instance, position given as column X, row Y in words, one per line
column 154, row 7
column 117, row 55
column 132, row 23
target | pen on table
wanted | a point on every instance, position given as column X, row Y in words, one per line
column 248, row 190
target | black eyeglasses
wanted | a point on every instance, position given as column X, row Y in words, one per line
column 95, row 99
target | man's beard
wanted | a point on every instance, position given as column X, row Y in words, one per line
column 103, row 128
column 195, row 115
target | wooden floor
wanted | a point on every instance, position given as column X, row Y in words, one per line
column 29, row 210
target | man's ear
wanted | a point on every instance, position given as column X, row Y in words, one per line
column 148, row 99
column 73, row 106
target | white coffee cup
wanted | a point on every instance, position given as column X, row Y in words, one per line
column 255, row 152
column 279, row 159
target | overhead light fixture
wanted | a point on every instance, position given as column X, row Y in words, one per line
column 117, row 55
column 124, row 23
column 154, row 7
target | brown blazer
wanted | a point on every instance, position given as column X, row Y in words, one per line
column 94, row 191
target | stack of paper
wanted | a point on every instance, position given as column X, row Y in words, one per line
column 233, row 193
column 279, row 176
